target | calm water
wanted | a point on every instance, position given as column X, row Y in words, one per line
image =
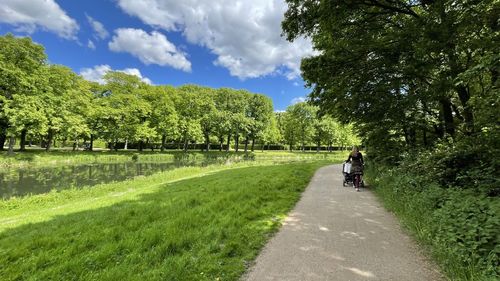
column 23, row 181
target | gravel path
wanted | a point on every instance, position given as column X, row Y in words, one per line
column 336, row 233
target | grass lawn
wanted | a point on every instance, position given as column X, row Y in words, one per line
column 209, row 227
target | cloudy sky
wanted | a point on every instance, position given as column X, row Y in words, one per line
column 217, row 43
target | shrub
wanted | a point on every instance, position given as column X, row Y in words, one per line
column 447, row 197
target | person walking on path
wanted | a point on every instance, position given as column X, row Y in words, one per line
column 357, row 163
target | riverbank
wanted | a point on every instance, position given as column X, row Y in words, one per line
column 40, row 158
column 187, row 224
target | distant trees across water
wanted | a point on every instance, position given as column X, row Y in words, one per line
column 41, row 103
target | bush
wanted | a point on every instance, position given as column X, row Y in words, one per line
column 466, row 228
column 447, row 198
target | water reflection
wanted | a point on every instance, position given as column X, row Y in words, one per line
column 23, row 181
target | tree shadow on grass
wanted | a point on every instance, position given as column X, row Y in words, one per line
column 197, row 229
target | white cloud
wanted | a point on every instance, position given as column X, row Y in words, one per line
column 298, row 100
column 136, row 72
column 27, row 16
column 244, row 35
column 91, row 45
column 98, row 27
column 96, row 74
column 151, row 48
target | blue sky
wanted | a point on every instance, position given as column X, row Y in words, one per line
column 218, row 43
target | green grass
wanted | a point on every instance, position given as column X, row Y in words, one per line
column 210, row 226
column 57, row 157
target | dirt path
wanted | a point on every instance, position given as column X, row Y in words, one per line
column 336, row 233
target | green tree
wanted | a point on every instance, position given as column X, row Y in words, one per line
column 399, row 66
column 271, row 133
column 21, row 80
column 79, row 105
column 128, row 111
column 304, row 117
column 330, row 131
column 63, row 101
column 164, row 118
column 232, row 104
column 288, row 127
column 260, row 113
column 189, row 106
column 209, row 114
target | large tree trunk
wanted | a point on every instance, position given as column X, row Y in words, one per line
column 163, row 141
column 237, row 142
column 50, row 136
column 246, row 144
column 207, row 142
column 3, row 137
column 2, row 141
column 253, row 144
column 126, row 145
column 228, row 142
column 318, row 146
column 140, row 145
column 449, row 126
column 12, row 141
column 151, row 145
column 23, row 140
column 76, row 144
column 91, row 148
column 464, row 97
column 185, row 142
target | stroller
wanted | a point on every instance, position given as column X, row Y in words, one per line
column 348, row 177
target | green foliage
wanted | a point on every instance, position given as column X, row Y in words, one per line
column 467, row 229
column 409, row 74
column 301, row 123
column 452, row 208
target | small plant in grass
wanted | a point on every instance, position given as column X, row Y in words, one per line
column 135, row 157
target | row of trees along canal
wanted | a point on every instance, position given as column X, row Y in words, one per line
column 44, row 102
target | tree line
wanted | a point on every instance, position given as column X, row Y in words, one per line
column 45, row 102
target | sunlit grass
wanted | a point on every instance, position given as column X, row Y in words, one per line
column 208, row 227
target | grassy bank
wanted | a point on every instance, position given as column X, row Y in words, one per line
column 452, row 209
column 208, row 226
column 57, row 157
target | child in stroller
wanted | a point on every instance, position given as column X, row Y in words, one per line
column 348, row 176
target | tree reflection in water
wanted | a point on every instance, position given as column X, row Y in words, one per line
column 24, row 181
